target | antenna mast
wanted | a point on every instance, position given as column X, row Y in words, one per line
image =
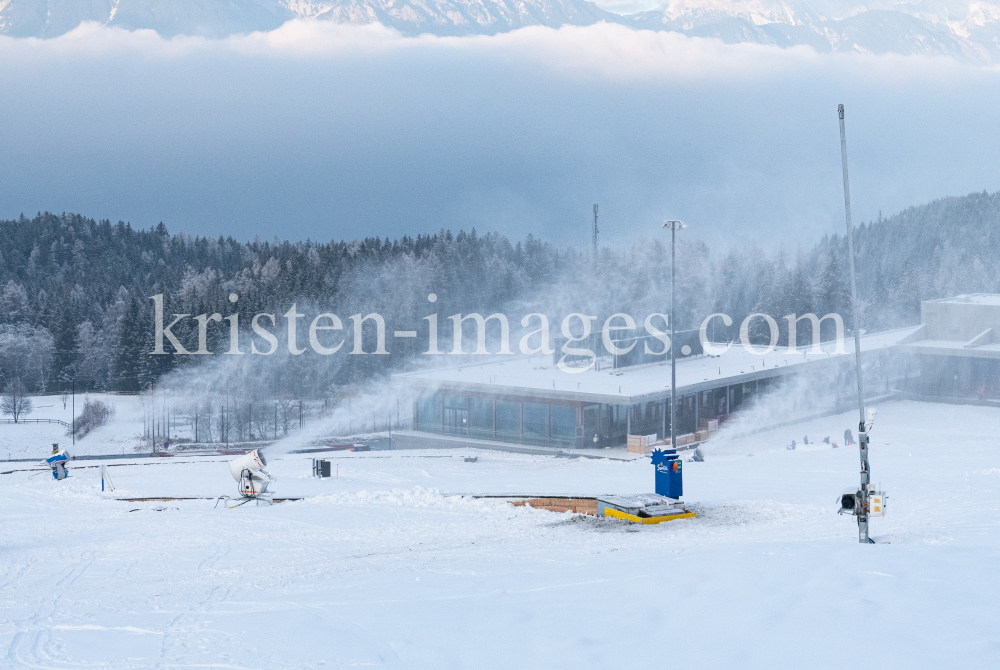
column 862, row 512
column 595, row 235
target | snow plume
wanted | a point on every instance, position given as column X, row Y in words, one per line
column 635, row 281
column 241, row 401
column 820, row 392
column 294, row 395
column 798, row 397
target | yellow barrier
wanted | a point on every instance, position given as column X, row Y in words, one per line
column 651, row 519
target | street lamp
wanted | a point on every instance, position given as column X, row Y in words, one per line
column 674, row 226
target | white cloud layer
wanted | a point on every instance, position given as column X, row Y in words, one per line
column 323, row 130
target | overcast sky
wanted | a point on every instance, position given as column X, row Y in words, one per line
column 332, row 132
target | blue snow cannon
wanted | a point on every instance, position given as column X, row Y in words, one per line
column 669, row 473
column 57, row 461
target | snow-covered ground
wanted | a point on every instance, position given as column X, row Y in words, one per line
column 29, row 439
column 384, row 567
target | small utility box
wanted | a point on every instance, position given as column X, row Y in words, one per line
column 321, row 468
column 876, row 503
column 669, row 473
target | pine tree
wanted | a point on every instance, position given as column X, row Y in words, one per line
column 767, row 301
column 878, row 315
column 67, row 349
column 834, row 296
column 905, row 295
column 800, row 298
column 128, row 350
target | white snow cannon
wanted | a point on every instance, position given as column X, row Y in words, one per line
column 57, row 462
column 248, row 470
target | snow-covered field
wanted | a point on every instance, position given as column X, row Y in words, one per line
column 121, row 435
column 385, row 567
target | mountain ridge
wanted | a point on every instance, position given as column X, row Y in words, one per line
column 963, row 30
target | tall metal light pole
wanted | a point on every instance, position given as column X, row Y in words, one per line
column 862, row 512
column 674, row 226
column 74, row 410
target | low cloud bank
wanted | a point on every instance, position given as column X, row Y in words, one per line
column 330, row 131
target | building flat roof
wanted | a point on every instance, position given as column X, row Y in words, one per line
column 952, row 348
column 972, row 299
column 537, row 376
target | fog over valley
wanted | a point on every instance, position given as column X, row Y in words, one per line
column 320, row 130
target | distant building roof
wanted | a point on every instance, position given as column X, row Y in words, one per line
column 537, row 376
column 992, row 299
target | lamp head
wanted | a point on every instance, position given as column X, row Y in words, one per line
column 675, row 225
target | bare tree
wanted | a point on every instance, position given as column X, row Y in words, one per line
column 15, row 401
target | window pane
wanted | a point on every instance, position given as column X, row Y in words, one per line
column 563, row 424
column 508, row 421
column 481, row 417
column 429, row 412
column 536, row 422
column 590, row 419
column 454, row 402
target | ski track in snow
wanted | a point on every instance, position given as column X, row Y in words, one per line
column 389, row 567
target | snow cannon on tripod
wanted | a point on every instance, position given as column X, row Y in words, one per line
column 248, row 470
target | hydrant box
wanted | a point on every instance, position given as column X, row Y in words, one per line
column 669, row 473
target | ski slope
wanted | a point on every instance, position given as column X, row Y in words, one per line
column 389, row 566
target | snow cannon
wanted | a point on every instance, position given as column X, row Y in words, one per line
column 669, row 473
column 856, row 502
column 248, row 470
column 57, row 461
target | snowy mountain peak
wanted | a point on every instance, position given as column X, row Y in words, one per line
column 759, row 12
column 954, row 28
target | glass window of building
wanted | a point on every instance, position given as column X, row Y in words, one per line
column 455, row 402
column 591, row 423
column 563, row 424
column 508, row 420
column 481, row 417
column 536, row 421
column 429, row 412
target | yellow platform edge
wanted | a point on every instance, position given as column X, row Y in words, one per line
column 646, row 520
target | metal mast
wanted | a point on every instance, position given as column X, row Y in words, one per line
column 862, row 513
column 595, row 236
column 673, row 368
column 674, row 226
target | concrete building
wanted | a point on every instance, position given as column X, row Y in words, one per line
column 956, row 350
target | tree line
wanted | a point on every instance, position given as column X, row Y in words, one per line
column 75, row 292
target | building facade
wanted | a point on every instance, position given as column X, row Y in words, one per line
column 531, row 401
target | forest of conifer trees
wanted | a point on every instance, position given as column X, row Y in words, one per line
column 75, row 292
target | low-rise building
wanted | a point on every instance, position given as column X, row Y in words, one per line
column 530, row 401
